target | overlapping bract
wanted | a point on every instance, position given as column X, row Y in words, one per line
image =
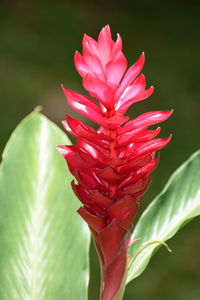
column 112, row 165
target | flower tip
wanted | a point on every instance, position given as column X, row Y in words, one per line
column 58, row 148
column 119, row 39
column 168, row 113
column 66, row 126
column 105, row 33
column 85, row 36
column 77, row 55
column 65, row 91
column 158, row 129
column 61, row 150
column 106, row 27
column 152, row 88
column 167, row 140
column 142, row 77
column 62, row 87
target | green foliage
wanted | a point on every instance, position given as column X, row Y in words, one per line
column 44, row 243
column 177, row 204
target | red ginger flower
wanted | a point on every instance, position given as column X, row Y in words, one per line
column 112, row 165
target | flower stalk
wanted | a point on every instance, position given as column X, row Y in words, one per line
column 112, row 165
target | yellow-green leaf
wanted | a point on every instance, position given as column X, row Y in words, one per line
column 177, row 204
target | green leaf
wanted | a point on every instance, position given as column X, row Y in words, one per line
column 177, row 204
column 44, row 243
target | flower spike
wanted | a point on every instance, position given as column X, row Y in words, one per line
column 112, row 165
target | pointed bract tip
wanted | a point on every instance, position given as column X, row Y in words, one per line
column 107, row 27
column 167, row 140
column 77, row 56
column 141, row 76
column 62, row 150
column 105, row 31
column 119, row 39
column 167, row 113
column 65, row 91
column 66, row 126
column 152, row 87
column 142, row 56
column 85, row 36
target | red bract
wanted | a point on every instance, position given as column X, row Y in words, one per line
column 112, row 165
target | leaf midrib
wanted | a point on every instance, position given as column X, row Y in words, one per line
column 39, row 202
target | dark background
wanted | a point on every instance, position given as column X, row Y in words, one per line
column 37, row 44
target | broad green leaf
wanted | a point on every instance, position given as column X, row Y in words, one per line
column 177, row 204
column 44, row 243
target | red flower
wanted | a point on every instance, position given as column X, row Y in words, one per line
column 112, row 165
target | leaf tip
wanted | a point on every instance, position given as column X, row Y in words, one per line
column 38, row 108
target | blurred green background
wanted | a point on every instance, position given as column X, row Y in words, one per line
column 37, row 44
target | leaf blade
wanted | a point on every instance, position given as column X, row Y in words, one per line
column 38, row 219
column 177, row 204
